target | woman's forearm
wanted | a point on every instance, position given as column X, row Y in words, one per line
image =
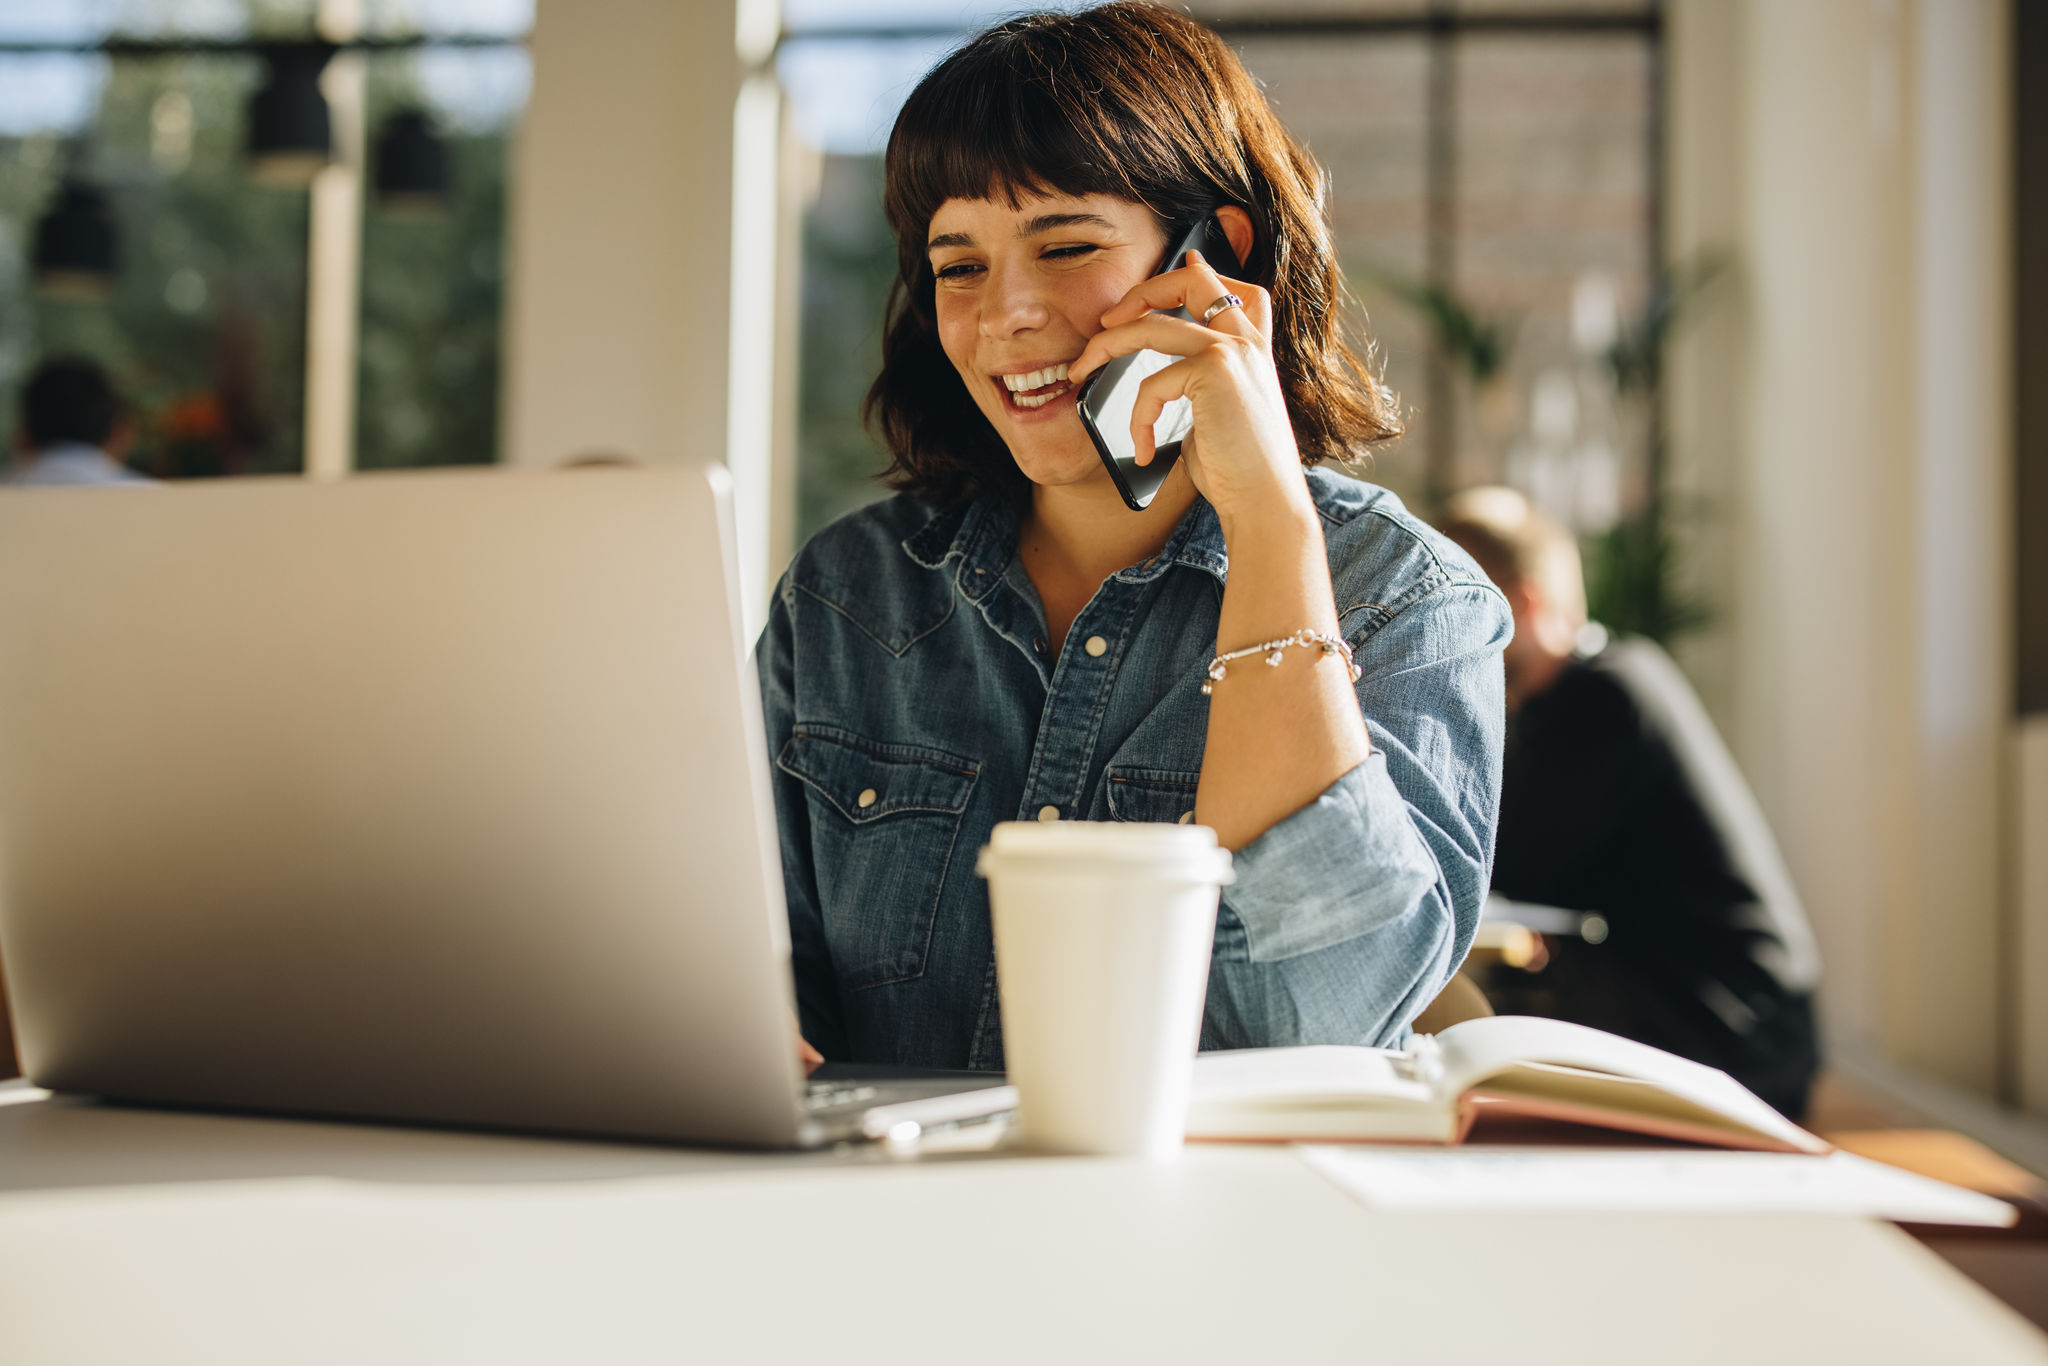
column 1278, row 735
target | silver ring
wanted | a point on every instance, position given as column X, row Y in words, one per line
column 1227, row 301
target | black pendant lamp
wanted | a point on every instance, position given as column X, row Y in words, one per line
column 290, row 137
column 413, row 175
column 76, row 251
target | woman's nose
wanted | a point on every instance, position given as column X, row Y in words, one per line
column 1013, row 302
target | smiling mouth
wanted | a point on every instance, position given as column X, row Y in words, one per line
column 1036, row 388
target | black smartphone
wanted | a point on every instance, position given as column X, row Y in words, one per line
column 1108, row 396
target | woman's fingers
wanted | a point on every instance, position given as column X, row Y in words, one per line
column 1255, row 306
column 1251, row 318
column 1160, row 332
column 1155, row 391
column 1194, row 287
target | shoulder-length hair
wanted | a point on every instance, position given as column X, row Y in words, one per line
column 1132, row 100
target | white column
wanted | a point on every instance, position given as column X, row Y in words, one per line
column 1948, row 950
column 334, row 257
column 750, row 391
column 641, row 236
column 1844, row 418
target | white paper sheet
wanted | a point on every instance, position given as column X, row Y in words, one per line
column 1660, row 1181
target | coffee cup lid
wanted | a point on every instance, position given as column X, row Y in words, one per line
column 1190, row 849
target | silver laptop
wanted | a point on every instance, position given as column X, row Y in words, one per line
column 435, row 796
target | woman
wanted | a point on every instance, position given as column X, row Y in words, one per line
column 1005, row 640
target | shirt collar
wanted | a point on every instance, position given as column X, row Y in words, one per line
column 1196, row 542
column 982, row 535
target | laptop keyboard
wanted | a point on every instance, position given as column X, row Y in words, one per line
column 830, row 1095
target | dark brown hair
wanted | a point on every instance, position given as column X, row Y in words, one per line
column 1132, row 100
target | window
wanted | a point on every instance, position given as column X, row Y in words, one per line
column 204, row 323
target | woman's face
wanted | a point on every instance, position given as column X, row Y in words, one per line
column 1019, row 291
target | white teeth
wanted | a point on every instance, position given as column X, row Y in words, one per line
column 1037, row 379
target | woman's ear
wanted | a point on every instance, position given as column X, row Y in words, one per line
column 1237, row 226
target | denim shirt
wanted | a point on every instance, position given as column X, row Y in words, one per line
column 911, row 704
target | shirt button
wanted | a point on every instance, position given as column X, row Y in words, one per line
column 1185, row 817
column 1096, row 646
column 1048, row 813
column 1038, row 644
column 866, row 798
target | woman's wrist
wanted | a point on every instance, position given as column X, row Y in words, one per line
column 1284, row 515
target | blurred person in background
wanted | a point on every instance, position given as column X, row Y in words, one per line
column 1620, row 802
column 71, row 430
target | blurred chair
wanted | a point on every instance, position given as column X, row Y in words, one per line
column 1460, row 1000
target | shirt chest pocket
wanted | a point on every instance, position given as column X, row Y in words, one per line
column 884, row 820
column 1151, row 794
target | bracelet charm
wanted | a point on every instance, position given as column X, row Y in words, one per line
column 1276, row 650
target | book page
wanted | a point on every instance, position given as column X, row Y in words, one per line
column 1322, row 1074
column 1320, row 1092
column 1476, row 1053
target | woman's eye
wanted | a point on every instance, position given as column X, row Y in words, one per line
column 1068, row 253
column 959, row 270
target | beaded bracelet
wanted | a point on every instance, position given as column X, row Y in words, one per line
column 1274, row 650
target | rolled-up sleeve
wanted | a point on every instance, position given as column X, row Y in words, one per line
column 1348, row 916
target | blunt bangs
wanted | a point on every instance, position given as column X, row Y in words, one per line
column 1023, row 145
column 1021, row 112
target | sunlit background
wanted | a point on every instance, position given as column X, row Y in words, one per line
column 1728, row 285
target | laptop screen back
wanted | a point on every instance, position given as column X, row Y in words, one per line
column 433, row 796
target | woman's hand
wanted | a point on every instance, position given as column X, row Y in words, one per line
column 1241, row 454
column 807, row 1057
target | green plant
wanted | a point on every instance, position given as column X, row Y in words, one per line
column 1635, row 360
column 1479, row 344
column 1633, row 569
column 1633, row 581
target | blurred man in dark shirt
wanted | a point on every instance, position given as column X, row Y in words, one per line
column 1620, row 802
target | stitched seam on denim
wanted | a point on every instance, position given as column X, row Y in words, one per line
column 1153, row 777
column 931, row 919
column 790, row 762
column 986, row 527
column 1179, row 551
column 879, row 749
column 984, row 1012
column 1158, row 781
column 1442, row 571
column 1438, row 591
column 1429, row 583
column 1100, row 709
column 1362, row 607
column 863, row 819
column 1328, row 512
column 861, row 626
column 985, row 605
column 913, row 544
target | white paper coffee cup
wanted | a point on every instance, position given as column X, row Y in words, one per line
column 1102, row 939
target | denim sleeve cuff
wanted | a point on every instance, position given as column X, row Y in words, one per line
column 1346, row 864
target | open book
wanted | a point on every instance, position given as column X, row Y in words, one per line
column 1504, row 1065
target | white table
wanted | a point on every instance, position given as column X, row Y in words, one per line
column 129, row 1236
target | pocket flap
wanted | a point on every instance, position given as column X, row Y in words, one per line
column 1151, row 794
column 867, row 781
